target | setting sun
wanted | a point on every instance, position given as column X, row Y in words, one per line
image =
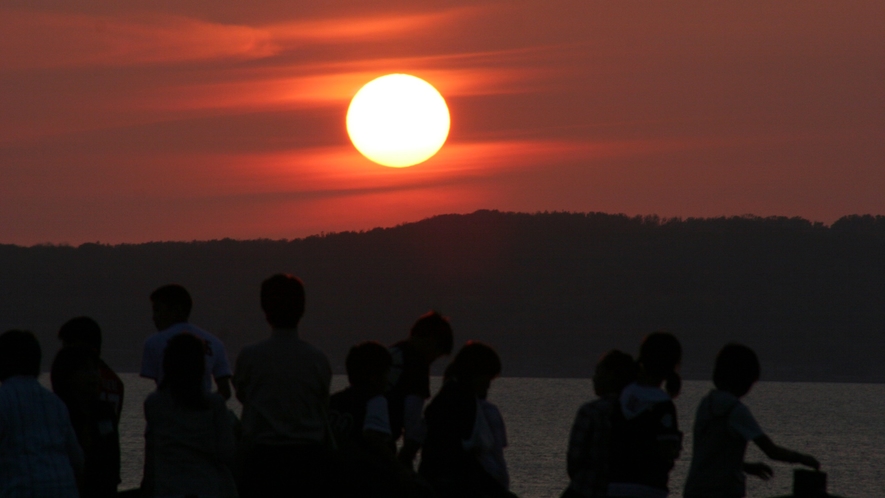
column 398, row 120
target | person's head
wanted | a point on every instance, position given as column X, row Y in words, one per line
column 75, row 374
column 476, row 364
column 282, row 300
column 432, row 335
column 737, row 369
column 171, row 304
column 81, row 331
column 368, row 364
column 184, row 365
column 659, row 358
column 19, row 354
column 614, row 371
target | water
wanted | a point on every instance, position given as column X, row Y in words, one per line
column 841, row 424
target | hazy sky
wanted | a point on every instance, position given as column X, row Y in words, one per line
column 186, row 119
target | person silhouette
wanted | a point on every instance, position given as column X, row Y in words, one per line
column 39, row 452
column 459, row 434
column 409, row 382
column 283, row 383
column 646, row 439
column 360, row 421
column 76, row 380
column 589, row 444
column 723, row 426
column 190, row 448
column 171, row 306
column 84, row 331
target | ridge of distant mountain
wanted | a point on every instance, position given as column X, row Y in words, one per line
column 551, row 291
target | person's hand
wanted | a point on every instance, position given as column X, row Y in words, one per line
column 808, row 461
column 759, row 470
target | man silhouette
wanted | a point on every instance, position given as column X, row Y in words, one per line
column 283, row 384
column 171, row 305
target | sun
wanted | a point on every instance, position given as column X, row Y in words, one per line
column 398, row 120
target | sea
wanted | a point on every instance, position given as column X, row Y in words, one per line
column 841, row 424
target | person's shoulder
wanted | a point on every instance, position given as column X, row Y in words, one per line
column 742, row 411
column 197, row 331
column 254, row 348
column 599, row 405
column 314, row 352
column 156, row 340
column 636, row 399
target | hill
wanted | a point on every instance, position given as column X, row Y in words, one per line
column 551, row 291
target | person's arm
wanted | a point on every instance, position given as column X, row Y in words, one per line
column 782, row 454
column 74, row 451
column 759, row 470
column 223, row 384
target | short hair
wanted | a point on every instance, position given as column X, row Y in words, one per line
column 473, row 360
column 660, row 353
column 367, row 360
column 19, row 354
column 282, row 300
column 435, row 326
column 184, row 367
column 737, row 369
column 81, row 330
column 620, row 369
column 174, row 296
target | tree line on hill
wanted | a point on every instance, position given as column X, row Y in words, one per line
column 551, row 291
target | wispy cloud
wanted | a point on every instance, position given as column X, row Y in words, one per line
column 36, row 39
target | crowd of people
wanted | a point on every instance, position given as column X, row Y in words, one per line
column 295, row 438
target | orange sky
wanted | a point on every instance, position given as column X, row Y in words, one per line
column 200, row 120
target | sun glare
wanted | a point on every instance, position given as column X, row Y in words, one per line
column 398, row 120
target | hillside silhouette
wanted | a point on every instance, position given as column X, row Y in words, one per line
column 551, row 291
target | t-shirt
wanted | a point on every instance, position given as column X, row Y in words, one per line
column 352, row 412
column 188, row 451
column 723, row 426
column 451, row 430
column 217, row 365
column 408, row 387
column 644, row 425
column 283, row 384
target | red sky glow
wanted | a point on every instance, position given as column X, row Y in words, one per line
column 186, row 120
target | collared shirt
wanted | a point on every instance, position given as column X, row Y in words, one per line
column 588, row 447
column 38, row 448
column 283, row 384
column 155, row 346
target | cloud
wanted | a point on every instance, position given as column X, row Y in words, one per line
column 34, row 39
column 51, row 40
